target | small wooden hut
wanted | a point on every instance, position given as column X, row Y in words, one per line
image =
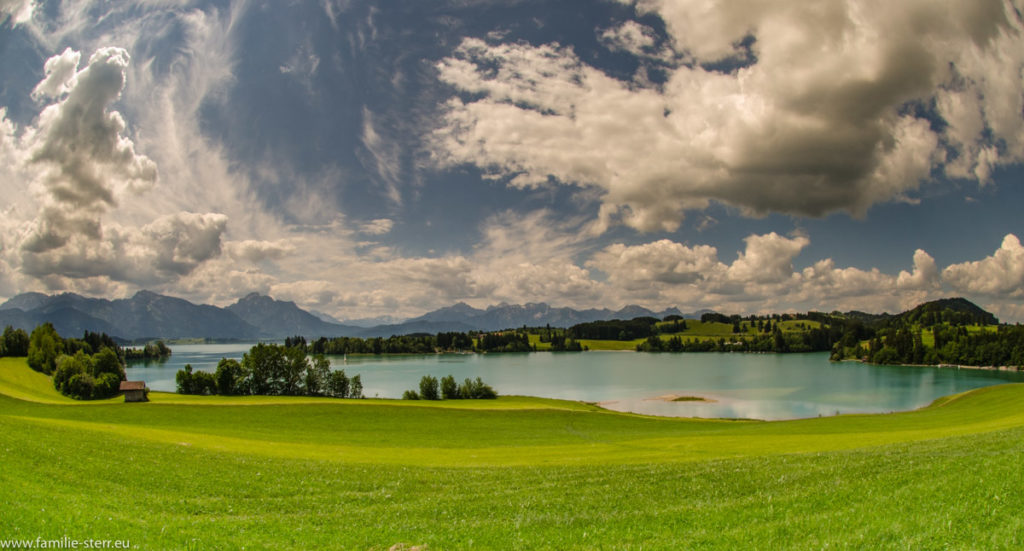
column 135, row 391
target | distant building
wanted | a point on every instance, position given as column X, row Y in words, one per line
column 135, row 391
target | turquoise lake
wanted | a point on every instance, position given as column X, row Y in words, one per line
column 754, row 386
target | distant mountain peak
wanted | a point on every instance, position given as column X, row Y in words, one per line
column 146, row 295
column 25, row 301
column 283, row 317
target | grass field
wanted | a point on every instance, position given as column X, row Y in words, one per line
column 515, row 473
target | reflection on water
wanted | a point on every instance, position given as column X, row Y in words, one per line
column 755, row 386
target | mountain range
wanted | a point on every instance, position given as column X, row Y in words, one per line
column 148, row 315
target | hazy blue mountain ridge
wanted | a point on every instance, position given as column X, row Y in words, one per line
column 151, row 315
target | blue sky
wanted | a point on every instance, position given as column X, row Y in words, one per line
column 384, row 159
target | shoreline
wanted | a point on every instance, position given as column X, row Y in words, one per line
column 1009, row 368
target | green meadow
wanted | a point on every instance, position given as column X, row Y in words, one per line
column 198, row 472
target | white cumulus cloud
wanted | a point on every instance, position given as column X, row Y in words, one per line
column 999, row 274
column 812, row 108
column 924, row 276
column 81, row 162
column 767, row 258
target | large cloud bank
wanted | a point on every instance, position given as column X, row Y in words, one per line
column 803, row 108
column 79, row 161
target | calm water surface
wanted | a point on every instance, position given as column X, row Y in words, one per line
column 756, row 386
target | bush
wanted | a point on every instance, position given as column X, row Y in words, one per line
column 476, row 390
column 107, row 385
column 80, row 386
column 410, row 395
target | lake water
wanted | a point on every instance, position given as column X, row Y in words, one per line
column 756, row 386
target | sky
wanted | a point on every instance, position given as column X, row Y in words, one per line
column 383, row 159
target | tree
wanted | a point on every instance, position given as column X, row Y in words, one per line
column 230, row 377
column 338, row 385
column 410, row 395
column 355, row 387
column 44, row 345
column 295, row 366
column 449, row 388
column 78, row 367
column 106, row 361
column 318, row 373
column 14, row 343
column 265, row 365
column 429, row 388
column 183, row 379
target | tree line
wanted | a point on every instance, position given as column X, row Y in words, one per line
column 417, row 343
column 271, row 370
column 812, row 340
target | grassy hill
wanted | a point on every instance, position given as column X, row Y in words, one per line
column 281, row 473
